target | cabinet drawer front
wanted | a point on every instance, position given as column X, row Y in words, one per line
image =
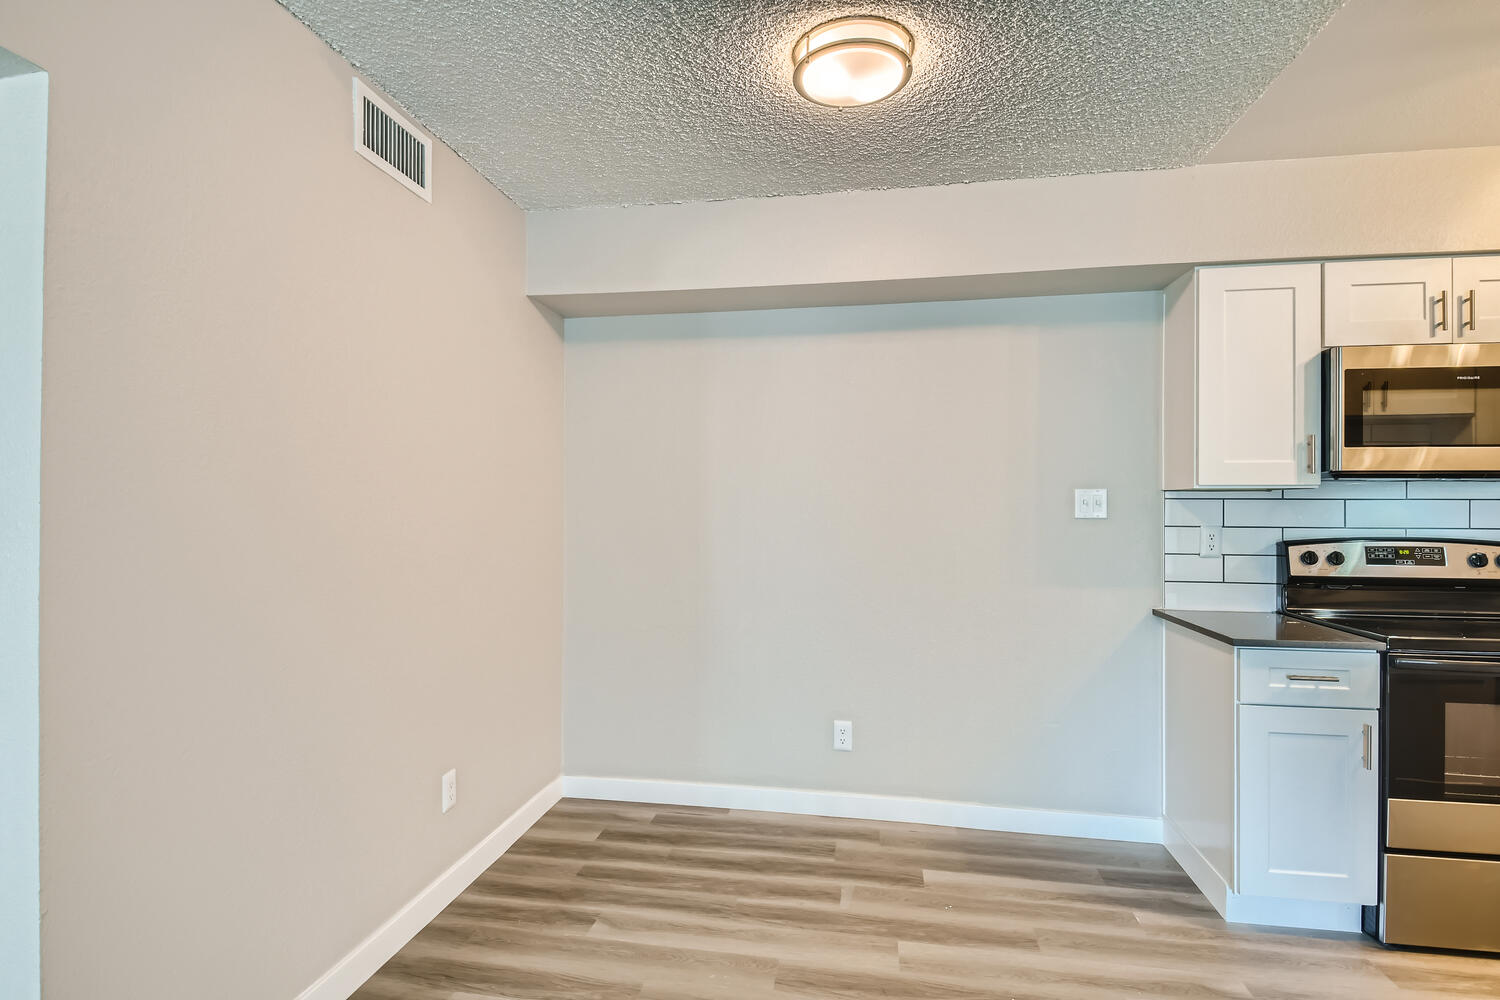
column 1313, row 678
column 1442, row 902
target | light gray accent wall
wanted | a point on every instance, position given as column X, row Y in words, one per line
column 23, row 175
column 777, row 519
column 302, row 512
column 1243, row 577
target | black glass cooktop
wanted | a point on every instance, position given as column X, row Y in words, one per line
column 1421, row 634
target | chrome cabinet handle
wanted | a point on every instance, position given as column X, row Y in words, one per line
column 1442, row 300
column 1312, row 450
column 1368, row 756
column 1462, row 325
column 1314, row 677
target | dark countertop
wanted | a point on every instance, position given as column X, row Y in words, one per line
column 1265, row 628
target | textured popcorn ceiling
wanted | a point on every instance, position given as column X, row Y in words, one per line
column 563, row 104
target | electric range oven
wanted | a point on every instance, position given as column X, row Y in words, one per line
column 1436, row 605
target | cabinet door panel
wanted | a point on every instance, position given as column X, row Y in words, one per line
column 1309, row 803
column 1258, row 375
column 1476, row 287
column 1400, row 301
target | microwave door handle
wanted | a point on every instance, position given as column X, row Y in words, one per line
column 1385, row 395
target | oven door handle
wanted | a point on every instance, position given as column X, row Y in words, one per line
column 1487, row 667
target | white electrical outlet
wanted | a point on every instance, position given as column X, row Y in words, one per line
column 450, row 790
column 1091, row 503
column 843, row 734
column 1210, row 537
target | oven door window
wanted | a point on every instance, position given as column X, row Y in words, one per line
column 1445, row 407
column 1443, row 730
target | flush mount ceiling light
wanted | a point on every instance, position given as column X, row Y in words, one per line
column 852, row 61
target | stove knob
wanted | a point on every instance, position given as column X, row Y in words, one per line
column 1308, row 558
column 1335, row 558
column 1478, row 560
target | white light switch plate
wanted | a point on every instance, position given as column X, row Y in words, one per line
column 1091, row 503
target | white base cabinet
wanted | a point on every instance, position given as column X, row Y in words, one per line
column 1272, row 795
column 1308, row 794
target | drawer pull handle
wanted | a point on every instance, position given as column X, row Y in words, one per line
column 1369, row 763
column 1323, row 678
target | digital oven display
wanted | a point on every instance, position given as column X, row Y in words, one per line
column 1405, row 555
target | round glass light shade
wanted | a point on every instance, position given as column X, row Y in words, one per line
column 852, row 61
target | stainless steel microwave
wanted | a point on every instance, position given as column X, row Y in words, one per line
column 1412, row 410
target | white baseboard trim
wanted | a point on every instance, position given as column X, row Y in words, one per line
column 1198, row 868
column 1300, row 914
column 351, row 971
column 849, row 805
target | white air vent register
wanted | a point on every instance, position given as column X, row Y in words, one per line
column 391, row 141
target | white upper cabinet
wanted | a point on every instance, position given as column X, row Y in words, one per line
column 1476, row 294
column 1245, row 412
column 1411, row 300
column 1401, row 301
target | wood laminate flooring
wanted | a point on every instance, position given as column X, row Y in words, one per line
column 616, row 901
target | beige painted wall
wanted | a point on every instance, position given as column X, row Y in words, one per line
column 301, row 509
column 1101, row 232
column 776, row 519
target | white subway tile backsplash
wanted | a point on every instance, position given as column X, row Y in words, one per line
column 1222, row 596
column 1346, row 489
column 1195, row 512
column 1484, row 514
column 1440, row 534
column 1283, row 513
column 1190, row 568
column 1384, row 513
column 1183, row 540
column 1448, row 489
column 1249, row 569
column 1297, row 534
column 1251, row 541
column 1255, row 520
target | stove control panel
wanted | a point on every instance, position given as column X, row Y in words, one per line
column 1402, row 555
column 1384, row 558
